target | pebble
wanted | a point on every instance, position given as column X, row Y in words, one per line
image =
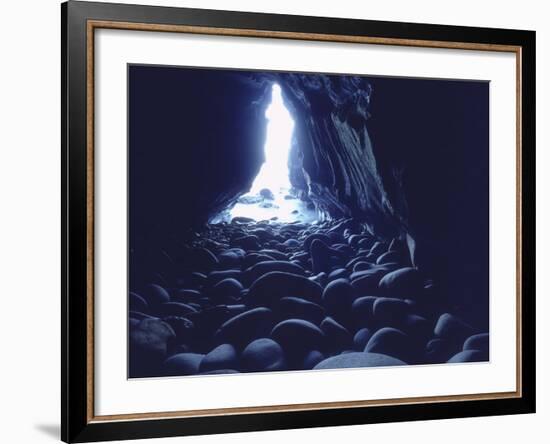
column 182, row 364
column 245, row 327
column 262, row 268
column 262, row 355
column 311, row 359
column 390, row 311
column 291, row 307
column 358, row 360
column 224, row 356
column 148, row 345
column 361, row 338
column 477, row 342
column 404, row 283
column 362, row 310
column 338, row 297
column 453, row 328
column 297, row 334
column 392, row 342
column 269, row 288
column 155, row 295
column 137, row 303
column 337, row 336
column 469, row 356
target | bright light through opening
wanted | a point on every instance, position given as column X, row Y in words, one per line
column 274, row 174
column 280, row 126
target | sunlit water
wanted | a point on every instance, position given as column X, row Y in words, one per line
column 273, row 174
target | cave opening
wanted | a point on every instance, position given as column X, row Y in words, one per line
column 271, row 195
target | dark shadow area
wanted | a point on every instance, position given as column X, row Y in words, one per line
column 50, row 430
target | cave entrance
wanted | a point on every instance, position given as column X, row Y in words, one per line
column 271, row 196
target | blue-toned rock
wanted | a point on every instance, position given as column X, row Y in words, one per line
column 297, row 334
column 358, row 360
column 247, row 242
column 182, row 364
column 155, row 295
column 390, row 311
column 137, row 303
column 187, row 295
column 311, row 359
column 337, row 336
column 453, row 328
column 224, row 356
column 389, row 257
column 402, row 283
column 339, row 273
column 469, row 356
column 362, row 310
column 361, row 338
column 254, row 258
column 338, row 297
column 366, row 282
column 268, row 289
column 245, row 327
column 263, row 355
column 299, row 308
column 175, row 309
column 226, row 291
column 393, row 342
column 262, row 268
column 477, row 342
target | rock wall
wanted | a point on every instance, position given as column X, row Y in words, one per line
column 407, row 156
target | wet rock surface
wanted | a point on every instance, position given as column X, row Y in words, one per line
column 266, row 296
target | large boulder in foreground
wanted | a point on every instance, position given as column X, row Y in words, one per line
column 358, row 359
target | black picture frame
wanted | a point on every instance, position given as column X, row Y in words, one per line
column 76, row 423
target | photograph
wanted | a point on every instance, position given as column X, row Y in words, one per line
column 285, row 221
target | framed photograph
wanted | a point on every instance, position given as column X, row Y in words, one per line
column 276, row 221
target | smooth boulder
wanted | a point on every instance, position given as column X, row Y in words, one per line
column 261, row 355
column 358, row 360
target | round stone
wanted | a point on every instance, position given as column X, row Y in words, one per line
column 176, row 309
column 311, row 359
column 262, row 268
column 390, row 311
column 337, row 336
column 361, row 338
column 392, row 342
column 227, row 290
column 453, row 328
column 362, row 310
column 222, row 357
column 268, row 289
column 477, row 342
column 261, row 355
column 297, row 334
column 338, row 297
column 137, row 303
column 182, row 364
column 469, row 356
column 245, row 327
column 357, row 360
column 155, row 295
column 298, row 308
column 402, row 283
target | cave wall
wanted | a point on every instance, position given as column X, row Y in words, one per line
column 196, row 139
column 407, row 156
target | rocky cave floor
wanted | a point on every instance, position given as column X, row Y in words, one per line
column 265, row 296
